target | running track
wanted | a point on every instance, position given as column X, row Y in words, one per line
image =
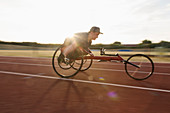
column 29, row 85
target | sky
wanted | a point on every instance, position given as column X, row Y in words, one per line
column 51, row 21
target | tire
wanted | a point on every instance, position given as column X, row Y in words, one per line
column 62, row 69
column 145, row 70
column 86, row 64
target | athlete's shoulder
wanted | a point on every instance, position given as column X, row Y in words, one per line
column 81, row 34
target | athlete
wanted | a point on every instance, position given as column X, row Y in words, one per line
column 74, row 47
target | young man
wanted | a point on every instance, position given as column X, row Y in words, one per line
column 72, row 46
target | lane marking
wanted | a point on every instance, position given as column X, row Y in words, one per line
column 28, row 59
column 11, row 57
column 44, row 65
column 25, row 64
column 47, row 59
column 84, row 81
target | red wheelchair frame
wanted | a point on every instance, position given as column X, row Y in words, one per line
column 135, row 69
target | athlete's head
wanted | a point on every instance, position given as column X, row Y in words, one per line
column 94, row 32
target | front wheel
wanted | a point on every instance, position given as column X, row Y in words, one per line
column 139, row 67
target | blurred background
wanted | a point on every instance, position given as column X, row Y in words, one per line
column 159, row 52
column 35, row 28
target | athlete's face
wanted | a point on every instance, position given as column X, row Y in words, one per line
column 94, row 35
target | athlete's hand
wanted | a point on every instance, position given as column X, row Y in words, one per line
column 91, row 54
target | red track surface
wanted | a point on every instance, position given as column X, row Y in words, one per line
column 29, row 85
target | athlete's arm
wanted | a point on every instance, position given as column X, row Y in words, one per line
column 88, row 51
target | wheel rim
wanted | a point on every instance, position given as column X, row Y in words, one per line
column 144, row 62
column 86, row 64
column 62, row 69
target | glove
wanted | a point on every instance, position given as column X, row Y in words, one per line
column 91, row 54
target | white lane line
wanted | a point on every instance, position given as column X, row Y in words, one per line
column 155, row 73
column 47, row 59
column 44, row 65
column 15, row 63
column 11, row 57
column 84, row 81
column 27, row 59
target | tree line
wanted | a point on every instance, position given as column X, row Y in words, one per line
column 143, row 44
column 33, row 44
column 116, row 45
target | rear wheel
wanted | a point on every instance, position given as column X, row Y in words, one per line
column 86, row 64
column 63, row 69
column 139, row 67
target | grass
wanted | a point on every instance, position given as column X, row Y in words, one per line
column 49, row 54
column 29, row 51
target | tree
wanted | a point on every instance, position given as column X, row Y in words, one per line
column 146, row 42
column 164, row 44
column 117, row 43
